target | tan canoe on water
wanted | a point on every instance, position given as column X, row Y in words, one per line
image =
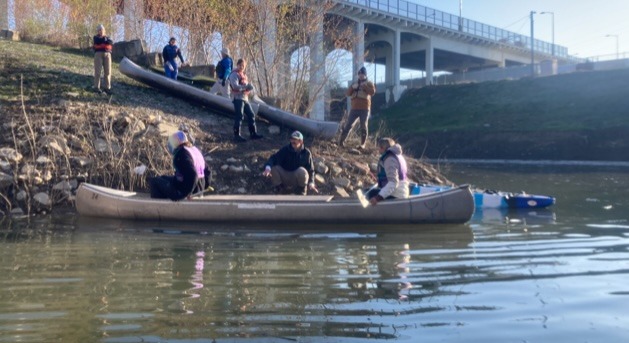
column 455, row 205
column 323, row 129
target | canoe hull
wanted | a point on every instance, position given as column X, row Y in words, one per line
column 322, row 129
column 452, row 206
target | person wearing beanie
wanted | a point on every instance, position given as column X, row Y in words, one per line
column 240, row 90
column 360, row 93
column 169, row 54
column 223, row 69
column 103, row 46
column 292, row 167
column 190, row 171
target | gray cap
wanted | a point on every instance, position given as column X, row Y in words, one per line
column 100, row 27
column 225, row 51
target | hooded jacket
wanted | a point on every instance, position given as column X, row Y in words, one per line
column 393, row 165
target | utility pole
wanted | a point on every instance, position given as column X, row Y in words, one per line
column 460, row 15
column 532, row 45
column 617, row 52
column 552, row 17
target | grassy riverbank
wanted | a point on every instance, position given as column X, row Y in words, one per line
column 580, row 116
column 56, row 132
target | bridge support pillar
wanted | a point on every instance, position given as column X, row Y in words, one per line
column 395, row 90
column 430, row 61
column 359, row 47
column 317, row 71
column 133, row 19
column 4, row 14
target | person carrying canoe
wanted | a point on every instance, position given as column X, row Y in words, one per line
column 392, row 173
column 190, row 171
column 292, row 167
column 223, row 70
column 360, row 93
column 170, row 52
column 240, row 89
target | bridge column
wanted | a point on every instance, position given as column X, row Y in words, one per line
column 133, row 19
column 317, row 71
column 430, row 61
column 397, row 88
column 4, row 14
column 359, row 47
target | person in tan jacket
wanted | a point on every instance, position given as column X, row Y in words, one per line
column 360, row 93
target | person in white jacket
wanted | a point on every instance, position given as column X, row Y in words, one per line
column 392, row 173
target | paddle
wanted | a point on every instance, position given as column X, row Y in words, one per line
column 361, row 196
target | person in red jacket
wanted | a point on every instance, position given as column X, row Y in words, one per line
column 103, row 46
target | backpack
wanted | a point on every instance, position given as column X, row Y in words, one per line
column 220, row 71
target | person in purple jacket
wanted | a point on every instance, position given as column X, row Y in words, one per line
column 190, row 171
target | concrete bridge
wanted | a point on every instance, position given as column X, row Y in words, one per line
column 400, row 34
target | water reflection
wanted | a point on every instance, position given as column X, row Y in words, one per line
column 540, row 276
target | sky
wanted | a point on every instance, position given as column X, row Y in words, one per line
column 580, row 25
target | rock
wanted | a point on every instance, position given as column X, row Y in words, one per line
column 10, row 155
column 224, row 167
column 5, row 166
column 54, row 143
column 361, row 167
column 340, row 191
column 81, row 161
column 336, row 170
column 42, row 199
column 274, row 130
column 319, row 179
column 241, row 190
column 5, row 180
column 17, row 211
column 43, row 160
column 236, row 169
column 103, row 146
column 321, row 168
column 232, row 160
column 30, row 171
column 21, row 195
column 62, row 186
column 342, row 182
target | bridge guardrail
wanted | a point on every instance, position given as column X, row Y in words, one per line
column 437, row 18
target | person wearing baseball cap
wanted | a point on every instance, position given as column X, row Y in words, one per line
column 292, row 167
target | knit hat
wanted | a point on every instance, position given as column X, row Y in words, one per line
column 225, row 51
column 297, row 135
column 175, row 140
column 172, row 39
column 100, row 27
column 362, row 70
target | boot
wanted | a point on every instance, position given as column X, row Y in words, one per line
column 253, row 134
column 279, row 189
column 363, row 141
column 238, row 137
column 343, row 138
column 301, row 190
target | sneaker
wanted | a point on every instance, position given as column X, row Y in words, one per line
column 255, row 135
column 301, row 190
column 279, row 189
column 97, row 90
column 239, row 139
column 107, row 91
column 361, row 147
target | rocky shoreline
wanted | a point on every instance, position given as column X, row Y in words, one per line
column 57, row 133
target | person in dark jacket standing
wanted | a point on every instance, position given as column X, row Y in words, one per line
column 190, row 171
column 103, row 46
column 240, row 89
column 292, row 167
column 360, row 93
column 223, row 70
column 170, row 52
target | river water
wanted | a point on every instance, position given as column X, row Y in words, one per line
column 557, row 275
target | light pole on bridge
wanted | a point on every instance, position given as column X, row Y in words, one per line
column 532, row 45
column 617, row 52
column 552, row 16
